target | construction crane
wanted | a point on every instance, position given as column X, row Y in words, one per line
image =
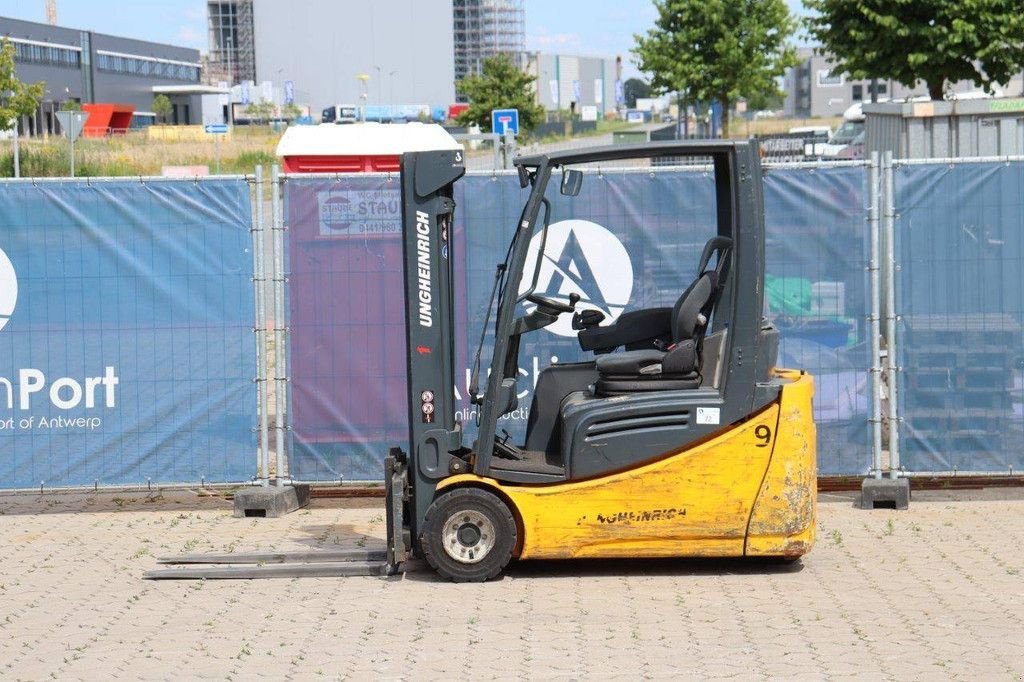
column 51, row 12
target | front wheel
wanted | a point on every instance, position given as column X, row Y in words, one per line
column 468, row 535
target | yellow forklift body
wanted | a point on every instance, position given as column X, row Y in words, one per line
column 750, row 490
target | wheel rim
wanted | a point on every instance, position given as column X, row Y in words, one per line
column 468, row 536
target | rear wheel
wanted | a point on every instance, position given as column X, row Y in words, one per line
column 468, row 535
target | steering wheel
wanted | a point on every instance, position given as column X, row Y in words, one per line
column 556, row 306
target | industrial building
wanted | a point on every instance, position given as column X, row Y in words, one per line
column 90, row 68
column 574, row 82
column 382, row 52
column 483, row 28
column 813, row 88
column 232, row 55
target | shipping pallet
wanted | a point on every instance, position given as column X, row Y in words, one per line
column 943, row 421
column 914, row 401
column 957, row 379
column 935, row 357
column 965, row 330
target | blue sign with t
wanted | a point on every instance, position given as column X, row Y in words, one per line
column 505, row 121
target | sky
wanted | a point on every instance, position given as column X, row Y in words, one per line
column 584, row 27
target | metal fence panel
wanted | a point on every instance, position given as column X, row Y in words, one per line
column 960, row 296
column 817, row 252
column 126, row 345
column 347, row 326
column 626, row 228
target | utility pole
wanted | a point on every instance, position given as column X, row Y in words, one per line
column 231, row 83
column 17, row 156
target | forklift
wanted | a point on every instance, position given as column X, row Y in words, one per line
column 680, row 438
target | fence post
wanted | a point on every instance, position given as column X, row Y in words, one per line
column 874, row 316
column 498, row 151
column 260, row 280
column 280, row 328
column 891, row 368
column 510, row 149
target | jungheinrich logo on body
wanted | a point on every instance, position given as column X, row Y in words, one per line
column 581, row 257
column 8, row 289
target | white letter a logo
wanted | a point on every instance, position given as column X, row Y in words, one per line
column 8, row 289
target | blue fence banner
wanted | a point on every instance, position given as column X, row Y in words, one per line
column 630, row 240
column 126, row 344
column 816, row 285
column 960, row 297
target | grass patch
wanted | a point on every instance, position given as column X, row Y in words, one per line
column 134, row 154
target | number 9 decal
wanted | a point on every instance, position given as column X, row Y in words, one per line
column 763, row 434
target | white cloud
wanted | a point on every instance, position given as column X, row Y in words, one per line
column 190, row 36
column 554, row 41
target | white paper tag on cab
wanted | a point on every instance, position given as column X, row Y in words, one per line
column 708, row 415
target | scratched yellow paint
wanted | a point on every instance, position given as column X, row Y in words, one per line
column 697, row 502
column 783, row 518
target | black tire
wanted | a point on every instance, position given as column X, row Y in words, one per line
column 478, row 529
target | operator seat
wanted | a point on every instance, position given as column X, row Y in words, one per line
column 676, row 367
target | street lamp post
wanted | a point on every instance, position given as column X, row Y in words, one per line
column 365, row 94
column 231, row 82
column 391, row 83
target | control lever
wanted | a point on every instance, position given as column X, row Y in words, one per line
column 555, row 306
column 587, row 319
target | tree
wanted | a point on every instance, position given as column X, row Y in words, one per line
column 717, row 50
column 162, row 107
column 70, row 105
column 634, row 89
column 291, row 111
column 500, row 85
column 17, row 99
column 260, row 111
column 772, row 101
column 930, row 40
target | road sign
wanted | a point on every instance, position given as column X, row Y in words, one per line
column 289, row 92
column 72, row 123
column 505, row 121
column 216, row 128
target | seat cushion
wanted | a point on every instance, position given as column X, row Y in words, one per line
column 609, row 386
column 631, row 362
column 681, row 361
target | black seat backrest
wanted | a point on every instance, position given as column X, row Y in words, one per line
column 692, row 311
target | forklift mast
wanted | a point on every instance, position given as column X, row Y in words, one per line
column 427, row 180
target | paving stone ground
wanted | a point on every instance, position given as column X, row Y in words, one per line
column 933, row 593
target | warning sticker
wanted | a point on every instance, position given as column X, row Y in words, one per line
column 708, row 415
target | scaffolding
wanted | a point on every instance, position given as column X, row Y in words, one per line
column 483, row 28
column 232, row 48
